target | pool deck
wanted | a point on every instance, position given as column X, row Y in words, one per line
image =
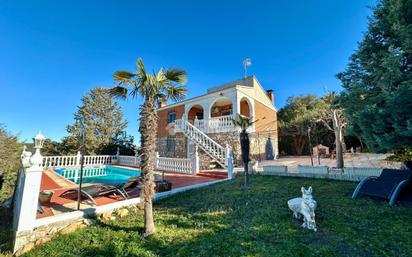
column 58, row 184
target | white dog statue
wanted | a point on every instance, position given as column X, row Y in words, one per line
column 304, row 207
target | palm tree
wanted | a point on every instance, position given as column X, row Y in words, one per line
column 152, row 87
column 244, row 123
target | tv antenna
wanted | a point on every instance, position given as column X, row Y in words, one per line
column 246, row 63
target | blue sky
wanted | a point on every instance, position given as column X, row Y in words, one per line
column 53, row 52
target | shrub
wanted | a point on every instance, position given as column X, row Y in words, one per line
column 404, row 154
column 10, row 150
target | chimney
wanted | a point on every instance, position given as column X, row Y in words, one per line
column 161, row 103
column 271, row 96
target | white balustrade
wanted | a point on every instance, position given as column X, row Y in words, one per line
column 174, row 165
column 98, row 159
column 216, row 125
column 162, row 163
column 74, row 160
column 129, row 160
column 87, row 173
column 59, row 161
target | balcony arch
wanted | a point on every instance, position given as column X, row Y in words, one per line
column 195, row 112
column 222, row 106
column 246, row 107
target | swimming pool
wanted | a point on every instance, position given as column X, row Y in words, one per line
column 108, row 175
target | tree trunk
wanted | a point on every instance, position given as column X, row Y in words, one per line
column 338, row 129
column 148, row 128
column 339, row 153
column 245, row 148
column 361, row 143
column 246, row 183
column 300, row 142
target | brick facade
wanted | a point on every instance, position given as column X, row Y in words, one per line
column 163, row 116
column 266, row 118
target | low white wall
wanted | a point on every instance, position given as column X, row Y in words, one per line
column 273, row 169
column 361, row 172
column 313, row 169
column 323, row 172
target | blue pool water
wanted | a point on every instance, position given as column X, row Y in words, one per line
column 108, row 175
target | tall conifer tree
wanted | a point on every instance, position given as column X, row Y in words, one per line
column 103, row 120
column 378, row 80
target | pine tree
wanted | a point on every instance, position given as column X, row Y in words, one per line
column 378, row 79
column 103, row 120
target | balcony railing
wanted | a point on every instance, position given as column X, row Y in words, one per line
column 215, row 125
column 218, row 124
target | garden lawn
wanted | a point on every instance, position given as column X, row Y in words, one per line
column 224, row 220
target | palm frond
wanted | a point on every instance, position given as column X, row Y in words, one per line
column 163, row 84
column 119, row 92
column 140, row 65
column 175, row 92
column 160, row 76
column 176, row 75
column 123, row 77
column 243, row 122
column 141, row 71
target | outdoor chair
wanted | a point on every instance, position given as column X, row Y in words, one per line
column 388, row 185
column 93, row 191
column 131, row 183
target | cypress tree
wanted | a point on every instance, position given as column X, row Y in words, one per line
column 103, row 120
column 378, row 80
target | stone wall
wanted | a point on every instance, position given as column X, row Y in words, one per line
column 180, row 149
column 259, row 142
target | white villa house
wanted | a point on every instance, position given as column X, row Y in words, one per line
column 205, row 121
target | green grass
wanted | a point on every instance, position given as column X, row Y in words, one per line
column 224, row 220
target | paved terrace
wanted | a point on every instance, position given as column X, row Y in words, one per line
column 55, row 182
column 351, row 160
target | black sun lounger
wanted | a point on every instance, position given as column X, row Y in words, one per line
column 94, row 191
column 388, row 185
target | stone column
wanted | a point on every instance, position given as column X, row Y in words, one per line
column 136, row 159
column 229, row 162
column 156, row 166
column 195, row 161
column 235, row 104
column 27, row 194
column 117, row 155
column 78, row 158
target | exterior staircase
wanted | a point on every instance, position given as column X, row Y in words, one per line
column 203, row 141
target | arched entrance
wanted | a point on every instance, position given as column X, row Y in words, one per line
column 245, row 109
column 196, row 111
column 221, row 107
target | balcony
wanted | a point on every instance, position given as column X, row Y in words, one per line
column 216, row 125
